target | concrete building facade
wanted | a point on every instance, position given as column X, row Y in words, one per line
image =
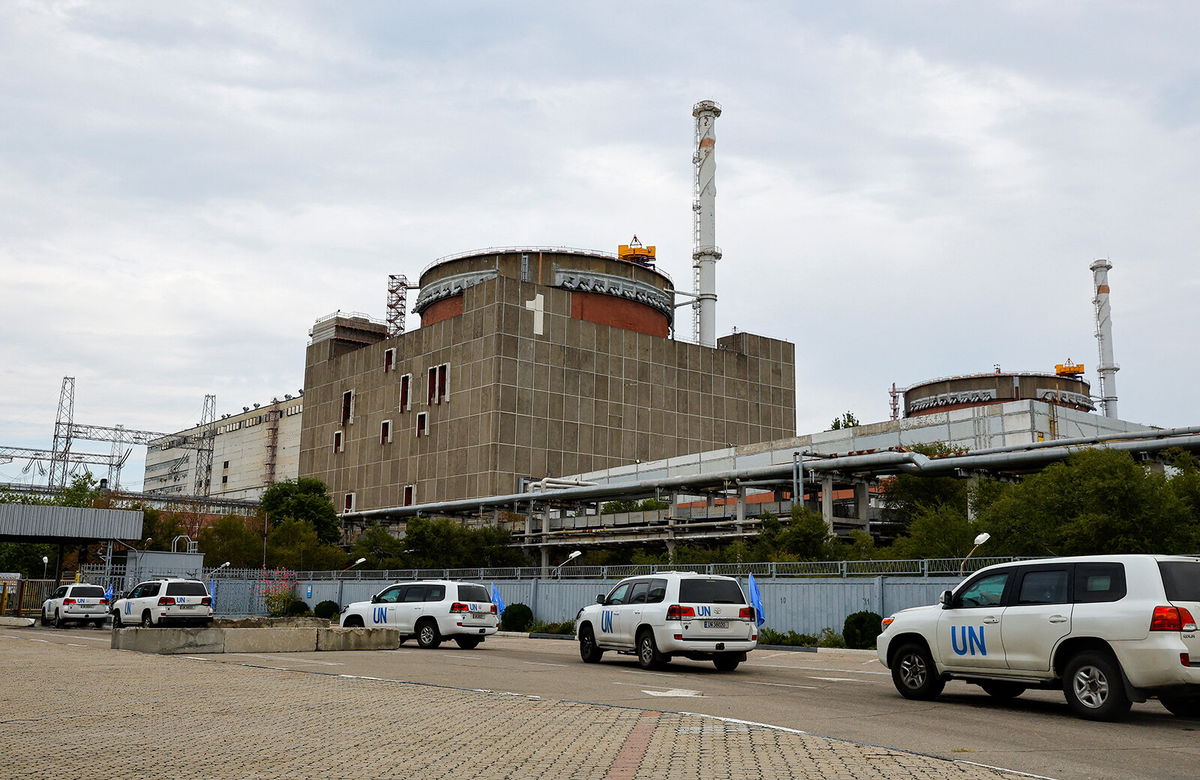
column 251, row 450
column 529, row 363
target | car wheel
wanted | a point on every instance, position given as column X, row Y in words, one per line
column 58, row 621
column 428, row 636
column 647, row 651
column 915, row 675
column 354, row 621
column 1094, row 688
column 588, row 650
column 1182, row 706
column 1003, row 690
column 726, row 664
column 467, row 642
column 147, row 620
column 45, row 620
column 116, row 616
column 98, row 623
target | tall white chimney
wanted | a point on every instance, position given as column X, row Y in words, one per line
column 1108, row 367
column 705, row 252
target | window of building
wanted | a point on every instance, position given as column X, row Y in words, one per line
column 225, row 480
column 422, row 424
column 439, row 389
column 337, row 441
column 294, row 410
column 406, row 392
column 385, row 432
column 226, row 465
column 389, row 359
column 524, row 268
column 347, row 407
column 348, row 503
column 408, row 494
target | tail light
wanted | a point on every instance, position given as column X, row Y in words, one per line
column 1172, row 619
column 458, row 606
column 206, row 601
column 166, row 601
column 69, row 601
column 1185, row 659
column 676, row 612
column 103, row 601
column 493, row 609
column 746, row 613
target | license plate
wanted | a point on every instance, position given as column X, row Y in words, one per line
column 716, row 624
column 186, row 606
column 479, row 615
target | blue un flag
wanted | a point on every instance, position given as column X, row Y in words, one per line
column 756, row 602
column 499, row 602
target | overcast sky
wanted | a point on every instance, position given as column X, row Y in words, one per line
column 906, row 190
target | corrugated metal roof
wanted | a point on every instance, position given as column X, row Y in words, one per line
column 69, row 522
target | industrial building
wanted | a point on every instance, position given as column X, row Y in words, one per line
column 529, row 363
column 250, row 451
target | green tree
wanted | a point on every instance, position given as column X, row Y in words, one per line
column 307, row 500
column 443, row 543
column 907, row 496
column 806, row 536
column 1097, row 501
column 82, row 491
column 936, row 532
column 231, row 539
column 380, row 548
column 293, row 544
column 847, row 420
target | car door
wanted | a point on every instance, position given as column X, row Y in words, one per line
column 410, row 607
column 631, row 615
column 610, row 617
column 1037, row 616
column 54, row 602
column 384, row 610
column 969, row 630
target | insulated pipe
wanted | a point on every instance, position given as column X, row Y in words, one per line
column 1159, row 433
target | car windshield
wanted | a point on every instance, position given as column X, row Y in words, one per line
column 186, row 589
column 710, row 592
column 473, row 593
column 88, row 591
column 1181, row 580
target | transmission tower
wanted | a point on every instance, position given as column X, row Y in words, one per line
column 59, row 463
column 205, row 439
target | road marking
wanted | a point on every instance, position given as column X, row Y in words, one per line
column 783, row 685
column 540, row 663
column 835, row 679
column 821, row 669
column 277, row 659
column 681, row 693
column 455, row 655
column 648, row 674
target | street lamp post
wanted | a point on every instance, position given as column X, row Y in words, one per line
column 570, row 558
column 983, row 537
column 45, row 562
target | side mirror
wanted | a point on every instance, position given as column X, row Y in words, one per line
column 375, row 599
column 600, row 599
column 946, row 599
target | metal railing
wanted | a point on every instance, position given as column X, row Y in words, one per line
column 926, row 567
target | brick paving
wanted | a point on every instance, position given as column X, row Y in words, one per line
column 86, row 712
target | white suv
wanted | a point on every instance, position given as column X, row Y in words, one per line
column 164, row 602
column 431, row 611
column 1109, row 630
column 697, row 616
column 77, row 602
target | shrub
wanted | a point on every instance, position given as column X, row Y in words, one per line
column 829, row 638
column 327, row 609
column 861, row 630
column 516, row 617
column 769, row 636
column 295, row 608
column 565, row 627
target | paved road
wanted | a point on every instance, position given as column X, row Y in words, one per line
column 848, row 696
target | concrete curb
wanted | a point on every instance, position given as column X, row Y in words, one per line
column 16, row 622
column 173, row 641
